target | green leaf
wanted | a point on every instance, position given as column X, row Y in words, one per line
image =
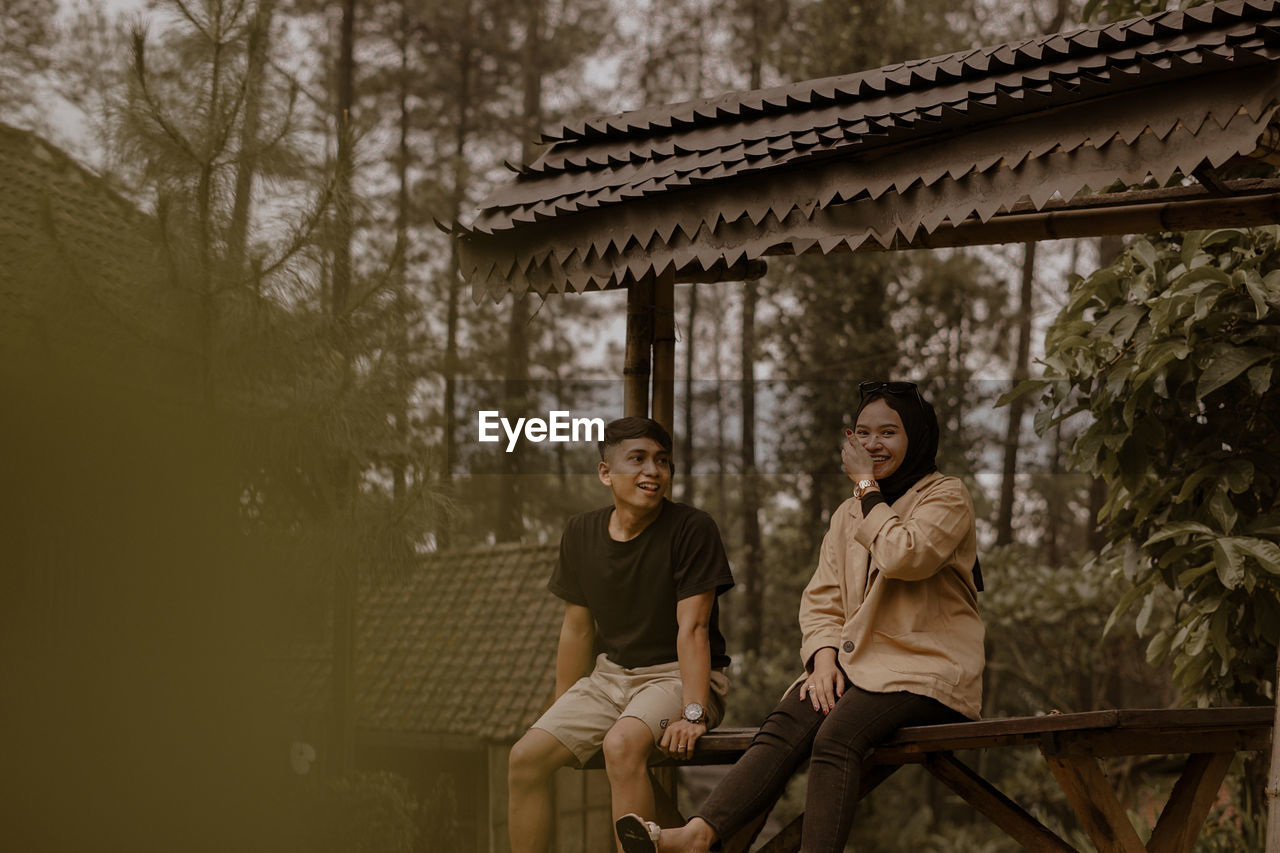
column 1158, row 648
column 1197, row 477
column 1227, row 561
column 1219, row 235
column 1223, row 510
column 1188, row 577
column 1126, row 601
column 1026, row 386
column 1271, row 282
column 1229, row 363
column 1266, row 553
column 1131, row 563
column 1133, row 461
column 1191, row 246
column 1144, row 615
column 1260, row 378
column 1238, row 475
column 1198, row 638
column 1177, row 529
column 1144, row 252
column 1201, row 274
column 1257, row 290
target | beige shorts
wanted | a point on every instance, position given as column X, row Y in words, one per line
column 653, row 694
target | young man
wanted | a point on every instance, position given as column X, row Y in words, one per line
column 640, row 580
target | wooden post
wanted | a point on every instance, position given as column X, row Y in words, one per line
column 664, row 350
column 635, row 372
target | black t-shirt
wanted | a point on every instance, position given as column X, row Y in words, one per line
column 631, row 588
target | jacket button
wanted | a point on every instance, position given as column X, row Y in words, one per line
column 848, row 646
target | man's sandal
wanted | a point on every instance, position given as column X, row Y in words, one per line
column 637, row 834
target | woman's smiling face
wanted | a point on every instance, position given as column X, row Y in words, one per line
column 880, row 431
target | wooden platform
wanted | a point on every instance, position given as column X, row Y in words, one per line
column 1071, row 745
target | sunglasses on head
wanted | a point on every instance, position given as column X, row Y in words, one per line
column 896, row 389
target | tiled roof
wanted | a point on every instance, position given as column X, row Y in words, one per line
column 878, row 156
column 82, row 284
column 463, row 644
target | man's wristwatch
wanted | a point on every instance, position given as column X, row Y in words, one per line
column 694, row 713
column 860, row 488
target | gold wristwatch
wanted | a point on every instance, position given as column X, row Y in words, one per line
column 860, row 488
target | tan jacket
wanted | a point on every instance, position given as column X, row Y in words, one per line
column 894, row 595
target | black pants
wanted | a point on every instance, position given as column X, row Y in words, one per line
column 836, row 746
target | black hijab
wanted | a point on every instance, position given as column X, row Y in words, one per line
column 921, row 424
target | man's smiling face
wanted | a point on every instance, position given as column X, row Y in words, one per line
column 637, row 471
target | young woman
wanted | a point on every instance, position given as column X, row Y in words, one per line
column 891, row 634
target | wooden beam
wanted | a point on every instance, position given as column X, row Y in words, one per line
column 635, row 371
column 1095, row 803
column 789, row 837
column 664, row 350
column 743, row 838
column 1017, row 823
column 1138, row 742
column 1189, row 804
column 664, row 780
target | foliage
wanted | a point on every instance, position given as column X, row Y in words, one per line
column 1171, row 352
column 1120, row 10
column 1046, row 651
column 826, row 39
column 26, row 38
column 365, row 812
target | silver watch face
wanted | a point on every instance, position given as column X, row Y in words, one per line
column 693, row 712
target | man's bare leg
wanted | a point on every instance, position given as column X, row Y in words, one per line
column 534, row 760
column 626, row 759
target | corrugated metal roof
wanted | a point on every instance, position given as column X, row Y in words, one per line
column 464, row 644
column 880, row 156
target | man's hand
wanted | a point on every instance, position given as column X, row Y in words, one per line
column 679, row 737
column 826, row 683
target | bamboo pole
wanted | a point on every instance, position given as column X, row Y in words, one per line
column 635, row 372
column 664, row 350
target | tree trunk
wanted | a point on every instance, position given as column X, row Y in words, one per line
column 453, row 277
column 344, row 577
column 247, row 163
column 1273, row 777
column 752, row 558
column 721, row 446
column 400, row 322
column 688, row 492
column 516, row 397
column 515, row 403
column 1021, row 369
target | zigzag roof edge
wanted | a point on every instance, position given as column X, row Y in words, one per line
column 1133, row 31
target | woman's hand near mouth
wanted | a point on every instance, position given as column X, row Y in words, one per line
column 855, row 459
